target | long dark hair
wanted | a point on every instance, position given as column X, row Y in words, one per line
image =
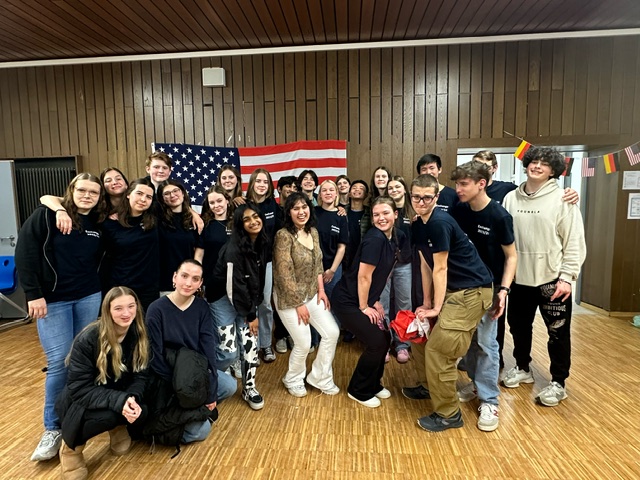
column 207, row 214
column 124, row 209
column 107, row 197
column 237, row 191
column 240, row 236
column 289, row 203
column 167, row 214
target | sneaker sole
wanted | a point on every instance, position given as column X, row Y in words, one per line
column 516, row 385
column 487, row 428
column 255, row 406
column 365, row 403
column 546, row 404
column 456, row 425
column 326, row 392
column 467, row 399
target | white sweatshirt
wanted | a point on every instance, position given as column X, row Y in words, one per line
column 549, row 235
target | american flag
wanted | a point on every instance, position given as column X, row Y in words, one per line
column 633, row 154
column 198, row 166
column 588, row 166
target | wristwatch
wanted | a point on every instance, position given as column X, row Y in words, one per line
column 506, row 289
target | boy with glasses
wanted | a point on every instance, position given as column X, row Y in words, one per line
column 456, row 288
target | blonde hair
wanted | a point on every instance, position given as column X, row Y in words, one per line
column 110, row 349
column 331, row 182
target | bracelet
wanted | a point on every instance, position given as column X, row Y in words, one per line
column 563, row 281
column 506, row 289
column 61, row 210
column 363, row 309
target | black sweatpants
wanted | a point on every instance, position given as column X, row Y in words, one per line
column 523, row 302
column 365, row 381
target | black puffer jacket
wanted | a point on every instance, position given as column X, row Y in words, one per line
column 81, row 391
column 241, row 277
column 167, row 417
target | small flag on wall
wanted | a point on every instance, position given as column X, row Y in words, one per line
column 588, row 167
column 568, row 161
column 611, row 163
column 522, row 149
column 633, row 154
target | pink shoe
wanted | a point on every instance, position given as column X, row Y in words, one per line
column 402, row 356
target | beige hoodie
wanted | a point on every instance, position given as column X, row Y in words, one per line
column 549, row 235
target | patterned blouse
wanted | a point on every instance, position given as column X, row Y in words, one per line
column 295, row 269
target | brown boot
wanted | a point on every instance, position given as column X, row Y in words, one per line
column 72, row 463
column 120, row 440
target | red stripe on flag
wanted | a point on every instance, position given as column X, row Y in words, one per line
column 302, row 163
column 291, row 147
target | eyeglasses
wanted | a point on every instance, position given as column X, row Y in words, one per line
column 84, row 191
column 426, row 199
column 175, row 191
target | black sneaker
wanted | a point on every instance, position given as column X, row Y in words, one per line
column 436, row 423
column 253, row 398
column 267, row 355
column 416, row 393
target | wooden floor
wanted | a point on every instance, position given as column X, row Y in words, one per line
column 595, row 433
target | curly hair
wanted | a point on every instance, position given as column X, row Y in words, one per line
column 545, row 154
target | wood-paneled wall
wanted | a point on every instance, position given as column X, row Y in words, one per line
column 392, row 105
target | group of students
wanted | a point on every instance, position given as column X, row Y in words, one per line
column 158, row 358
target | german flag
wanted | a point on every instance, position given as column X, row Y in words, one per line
column 611, row 163
column 568, row 161
column 522, row 149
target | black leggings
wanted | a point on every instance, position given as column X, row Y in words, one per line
column 95, row 422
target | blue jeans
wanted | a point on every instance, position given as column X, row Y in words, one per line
column 328, row 289
column 227, row 386
column 401, row 280
column 234, row 340
column 483, row 360
column 56, row 330
column 265, row 311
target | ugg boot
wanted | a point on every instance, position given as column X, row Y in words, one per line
column 120, row 440
column 72, row 463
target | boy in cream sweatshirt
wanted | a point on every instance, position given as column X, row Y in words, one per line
column 549, row 237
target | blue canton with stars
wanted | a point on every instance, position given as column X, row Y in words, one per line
column 197, row 166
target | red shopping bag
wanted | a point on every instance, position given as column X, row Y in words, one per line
column 410, row 329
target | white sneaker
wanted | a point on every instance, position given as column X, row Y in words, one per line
column 297, row 391
column 552, row 394
column 515, row 377
column 236, row 368
column 488, row 420
column 331, row 390
column 373, row 402
column 48, row 446
column 384, row 393
column 467, row 393
column 281, row 345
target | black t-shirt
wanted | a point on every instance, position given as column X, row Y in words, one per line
column 403, row 224
column 488, row 229
column 176, row 245
column 269, row 209
column 133, row 254
column 76, row 257
column 353, row 219
column 213, row 237
column 441, row 233
column 498, row 190
column 447, row 199
column 375, row 249
column 332, row 230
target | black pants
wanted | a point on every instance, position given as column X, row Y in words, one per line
column 523, row 302
column 280, row 331
column 365, row 381
column 97, row 421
